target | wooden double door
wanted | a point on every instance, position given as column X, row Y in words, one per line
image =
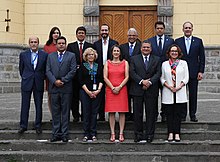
column 120, row 19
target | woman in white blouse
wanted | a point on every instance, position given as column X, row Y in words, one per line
column 174, row 78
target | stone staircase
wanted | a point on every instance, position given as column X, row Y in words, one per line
column 199, row 142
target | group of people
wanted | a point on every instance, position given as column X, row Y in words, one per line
column 107, row 77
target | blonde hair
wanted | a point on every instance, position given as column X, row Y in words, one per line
column 89, row 51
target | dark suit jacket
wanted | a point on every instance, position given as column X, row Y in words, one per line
column 64, row 71
column 155, row 49
column 74, row 48
column 29, row 75
column 138, row 72
column 196, row 56
column 125, row 50
column 98, row 48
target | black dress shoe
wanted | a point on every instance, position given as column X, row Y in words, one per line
column 163, row 119
column 22, row 130
column 101, row 119
column 64, row 139
column 38, row 130
column 76, row 119
column 183, row 119
column 194, row 119
column 54, row 139
column 137, row 140
column 149, row 139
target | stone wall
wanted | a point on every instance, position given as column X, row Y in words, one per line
column 10, row 78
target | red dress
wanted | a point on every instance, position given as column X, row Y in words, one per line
column 49, row 49
column 116, row 102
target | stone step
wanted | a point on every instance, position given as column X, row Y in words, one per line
column 157, row 156
column 213, row 126
column 107, row 146
column 199, row 135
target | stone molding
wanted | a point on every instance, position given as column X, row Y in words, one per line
column 91, row 11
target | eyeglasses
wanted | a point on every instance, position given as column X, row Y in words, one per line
column 187, row 28
column 33, row 42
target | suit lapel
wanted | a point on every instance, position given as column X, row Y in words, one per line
column 38, row 60
column 191, row 45
column 141, row 61
column 29, row 59
column 157, row 47
column 135, row 49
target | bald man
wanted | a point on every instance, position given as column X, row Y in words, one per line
column 32, row 68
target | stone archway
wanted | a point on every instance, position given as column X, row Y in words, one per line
column 91, row 17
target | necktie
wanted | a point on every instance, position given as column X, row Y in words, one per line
column 187, row 45
column 60, row 57
column 34, row 60
column 160, row 44
column 105, row 41
column 131, row 49
column 81, row 51
column 146, row 62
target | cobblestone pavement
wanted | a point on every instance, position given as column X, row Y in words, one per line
column 208, row 107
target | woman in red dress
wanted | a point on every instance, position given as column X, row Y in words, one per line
column 50, row 47
column 116, row 73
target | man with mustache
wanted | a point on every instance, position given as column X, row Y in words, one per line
column 103, row 48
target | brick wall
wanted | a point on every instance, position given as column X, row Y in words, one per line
column 10, row 78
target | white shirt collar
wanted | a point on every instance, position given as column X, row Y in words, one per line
column 190, row 38
column 132, row 44
column 163, row 37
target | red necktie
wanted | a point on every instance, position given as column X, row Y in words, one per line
column 81, row 51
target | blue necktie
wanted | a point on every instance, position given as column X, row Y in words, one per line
column 146, row 62
column 187, row 45
column 131, row 49
column 60, row 57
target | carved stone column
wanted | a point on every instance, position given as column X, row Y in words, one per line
column 165, row 14
column 91, row 19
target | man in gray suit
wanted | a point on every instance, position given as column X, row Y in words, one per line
column 61, row 68
column 145, row 71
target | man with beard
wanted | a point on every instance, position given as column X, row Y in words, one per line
column 78, row 47
column 103, row 48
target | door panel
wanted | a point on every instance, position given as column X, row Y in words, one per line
column 117, row 22
column 120, row 19
column 143, row 22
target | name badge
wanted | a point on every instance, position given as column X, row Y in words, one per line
column 94, row 87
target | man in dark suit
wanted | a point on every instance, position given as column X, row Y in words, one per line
column 78, row 47
column 103, row 48
column 160, row 43
column 32, row 68
column 61, row 68
column 129, row 49
column 145, row 71
column 194, row 54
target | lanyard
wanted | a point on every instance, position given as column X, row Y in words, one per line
column 94, row 80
